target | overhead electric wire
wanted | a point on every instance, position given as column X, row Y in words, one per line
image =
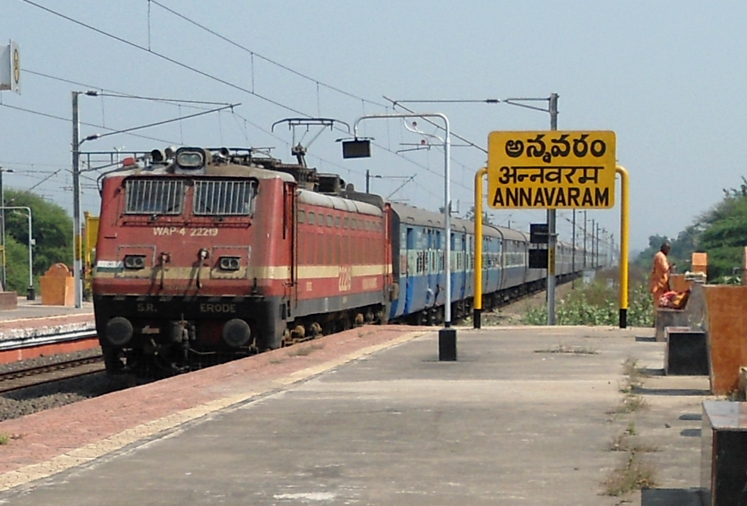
column 68, row 120
column 162, row 56
column 295, row 72
column 223, row 81
column 265, row 58
column 119, row 94
column 43, row 180
column 164, row 122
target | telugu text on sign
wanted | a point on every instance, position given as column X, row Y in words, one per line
column 551, row 170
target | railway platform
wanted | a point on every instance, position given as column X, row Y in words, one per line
column 526, row 415
column 32, row 329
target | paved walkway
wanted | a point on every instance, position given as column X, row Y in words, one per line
column 29, row 310
column 370, row 416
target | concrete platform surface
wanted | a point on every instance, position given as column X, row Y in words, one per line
column 527, row 415
column 31, row 309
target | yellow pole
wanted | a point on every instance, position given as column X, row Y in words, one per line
column 477, row 318
column 624, row 231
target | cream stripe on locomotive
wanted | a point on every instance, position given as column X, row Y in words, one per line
column 264, row 272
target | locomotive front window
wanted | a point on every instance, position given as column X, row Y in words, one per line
column 151, row 196
column 224, row 198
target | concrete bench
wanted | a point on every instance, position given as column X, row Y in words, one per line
column 687, row 352
column 723, row 469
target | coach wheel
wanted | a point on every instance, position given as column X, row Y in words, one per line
column 421, row 318
column 359, row 320
column 315, row 330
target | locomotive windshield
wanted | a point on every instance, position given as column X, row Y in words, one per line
column 152, row 196
column 224, row 197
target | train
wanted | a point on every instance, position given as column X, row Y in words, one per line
column 209, row 254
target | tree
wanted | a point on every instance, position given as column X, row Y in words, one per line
column 645, row 257
column 485, row 217
column 721, row 232
column 52, row 230
column 724, row 233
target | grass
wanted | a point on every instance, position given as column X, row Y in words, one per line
column 633, row 380
column 624, row 443
column 634, row 474
column 302, row 351
column 630, row 404
column 634, row 375
column 5, row 438
column 571, row 350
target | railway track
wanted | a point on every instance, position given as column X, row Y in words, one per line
column 49, row 373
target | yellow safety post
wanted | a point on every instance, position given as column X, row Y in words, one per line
column 477, row 318
column 624, row 230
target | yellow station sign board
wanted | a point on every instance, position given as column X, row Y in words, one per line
column 551, row 170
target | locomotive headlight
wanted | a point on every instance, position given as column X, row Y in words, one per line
column 229, row 263
column 134, row 262
column 190, row 158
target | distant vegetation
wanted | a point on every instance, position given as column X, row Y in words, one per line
column 721, row 232
column 598, row 303
column 52, row 230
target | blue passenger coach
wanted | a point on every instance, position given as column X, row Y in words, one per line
column 418, row 251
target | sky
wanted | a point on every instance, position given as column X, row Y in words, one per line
column 666, row 76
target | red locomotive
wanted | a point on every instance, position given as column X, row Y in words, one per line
column 203, row 255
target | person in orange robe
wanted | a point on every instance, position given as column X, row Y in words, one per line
column 659, row 284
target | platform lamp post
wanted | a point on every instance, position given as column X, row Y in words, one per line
column 3, row 271
column 361, row 148
column 77, row 232
column 552, row 109
column 31, row 293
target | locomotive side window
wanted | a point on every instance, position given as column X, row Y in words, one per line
column 151, row 196
column 224, row 197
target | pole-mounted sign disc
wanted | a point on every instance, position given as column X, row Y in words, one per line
column 10, row 68
column 551, row 170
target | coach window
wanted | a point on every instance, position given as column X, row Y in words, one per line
column 311, row 218
column 352, row 223
column 345, row 223
column 330, row 220
column 320, row 219
column 301, row 216
column 337, row 222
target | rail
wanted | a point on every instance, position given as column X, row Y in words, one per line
column 49, row 373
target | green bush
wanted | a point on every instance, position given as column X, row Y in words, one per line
column 597, row 304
